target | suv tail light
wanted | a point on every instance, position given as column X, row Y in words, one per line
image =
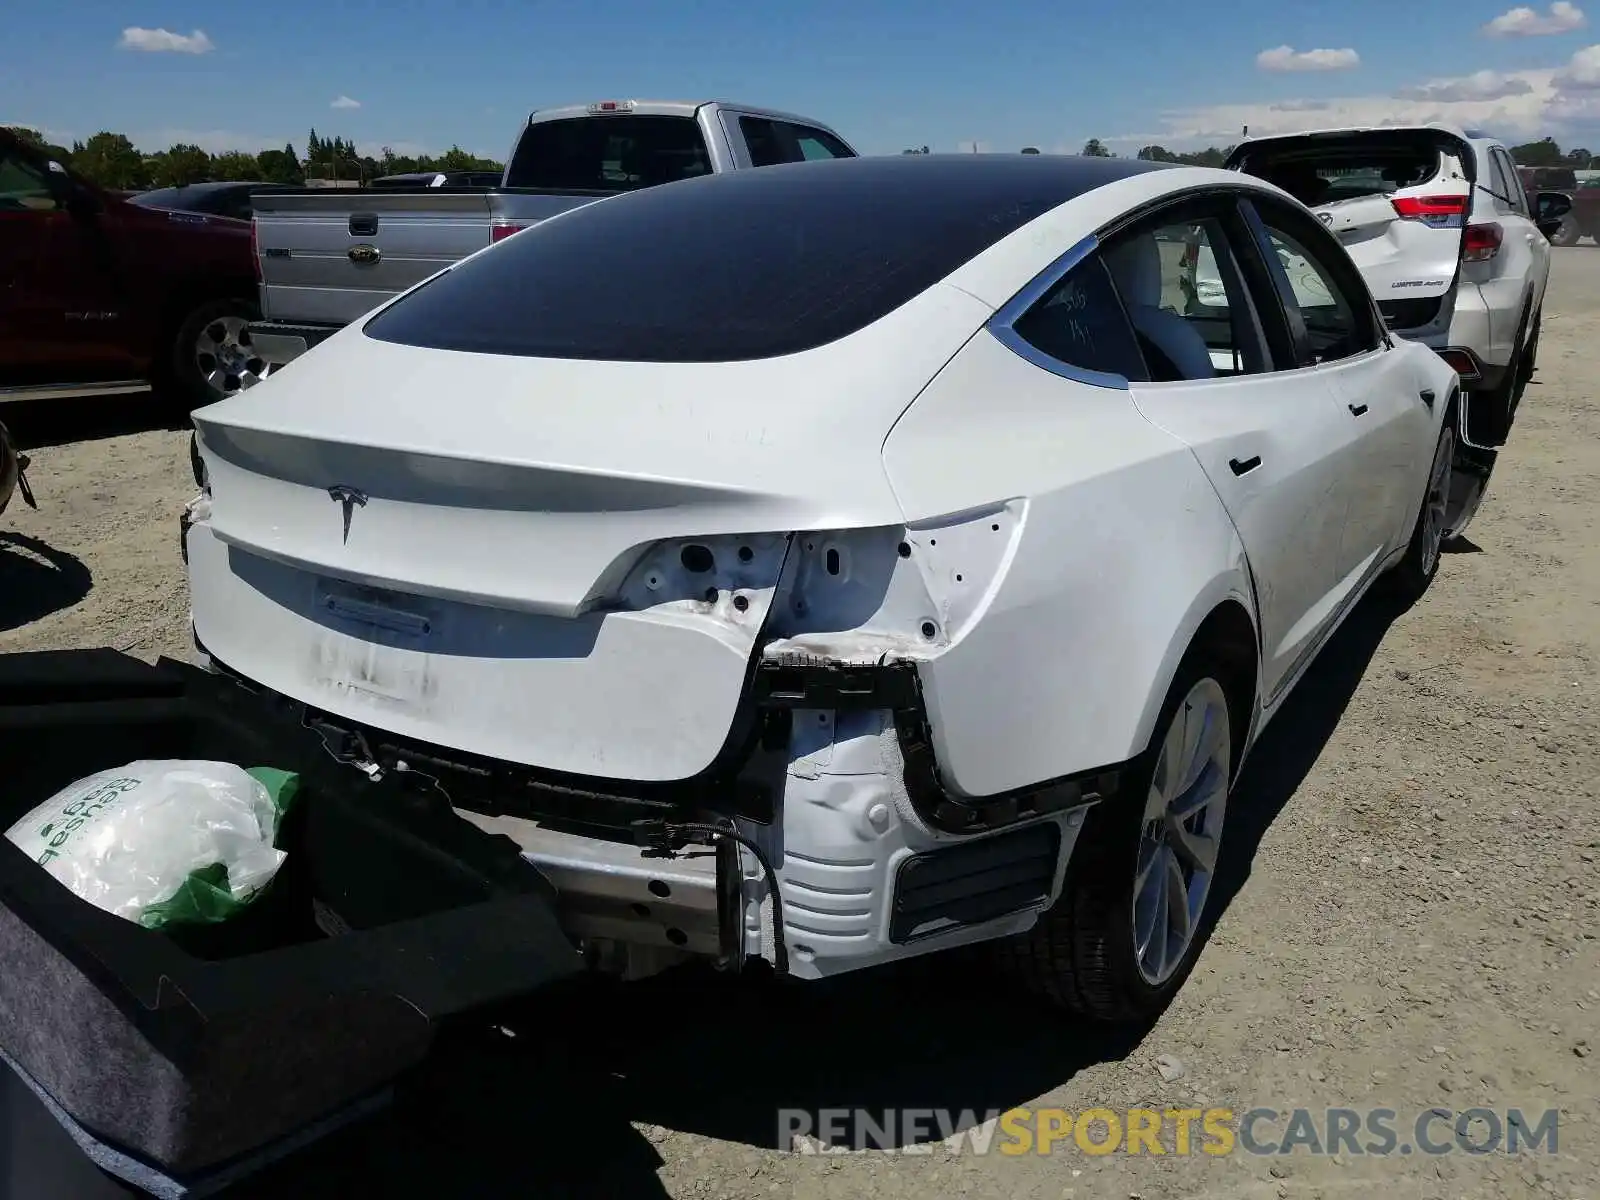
column 1420, row 208
column 499, row 231
column 1482, row 242
column 255, row 251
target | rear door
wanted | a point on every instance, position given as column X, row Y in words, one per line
column 1514, row 275
column 1397, row 200
column 1275, row 442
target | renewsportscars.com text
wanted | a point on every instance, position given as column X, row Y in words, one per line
column 1174, row 1131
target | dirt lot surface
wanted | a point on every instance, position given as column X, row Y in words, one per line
column 1410, row 915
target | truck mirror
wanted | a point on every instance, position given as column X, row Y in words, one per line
column 1550, row 209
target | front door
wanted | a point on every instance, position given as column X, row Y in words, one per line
column 61, row 319
column 1388, row 420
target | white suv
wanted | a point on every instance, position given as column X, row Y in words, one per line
column 1438, row 223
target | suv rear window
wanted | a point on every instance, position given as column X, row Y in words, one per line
column 613, row 154
column 1317, row 171
column 742, row 265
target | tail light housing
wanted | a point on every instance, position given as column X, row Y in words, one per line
column 1432, row 209
column 499, row 231
column 255, row 252
column 1482, row 242
column 1463, row 363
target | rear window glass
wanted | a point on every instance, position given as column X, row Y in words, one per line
column 771, row 142
column 748, row 264
column 614, row 154
column 1348, row 173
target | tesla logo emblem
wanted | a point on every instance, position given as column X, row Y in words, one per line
column 1325, row 218
column 348, row 498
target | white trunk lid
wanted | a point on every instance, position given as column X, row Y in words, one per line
column 1405, row 231
column 485, row 552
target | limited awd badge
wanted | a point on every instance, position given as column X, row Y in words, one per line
column 365, row 254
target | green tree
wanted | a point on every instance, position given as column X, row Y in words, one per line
column 110, row 160
column 236, row 166
column 1579, row 158
column 1543, row 153
column 1030, row 149
column 32, row 137
column 915, row 150
column 1158, row 154
column 280, row 166
column 1095, row 148
column 457, row 159
column 1211, row 156
column 181, row 164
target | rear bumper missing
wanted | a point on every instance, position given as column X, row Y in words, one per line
column 833, row 779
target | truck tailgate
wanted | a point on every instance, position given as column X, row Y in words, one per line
column 332, row 258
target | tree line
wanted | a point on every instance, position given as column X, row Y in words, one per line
column 113, row 161
column 1545, row 152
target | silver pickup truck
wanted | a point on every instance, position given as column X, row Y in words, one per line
column 327, row 257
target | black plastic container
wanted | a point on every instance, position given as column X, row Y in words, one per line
column 189, row 1051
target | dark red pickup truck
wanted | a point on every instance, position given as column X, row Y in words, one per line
column 1584, row 219
column 99, row 296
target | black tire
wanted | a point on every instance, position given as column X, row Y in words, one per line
column 1527, row 363
column 1490, row 412
column 195, row 383
column 1409, row 578
column 1082, row 954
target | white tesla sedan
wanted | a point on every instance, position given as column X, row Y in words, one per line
column 839, row 562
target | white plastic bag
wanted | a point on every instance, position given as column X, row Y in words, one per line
column 130, row 838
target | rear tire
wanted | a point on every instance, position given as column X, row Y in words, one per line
column 1526, row 365
column 1122, row 938
column 1410, row 577
column 210, row 358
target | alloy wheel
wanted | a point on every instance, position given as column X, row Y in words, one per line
column 1435, row 508
column 1182, row 831
column 224, row 357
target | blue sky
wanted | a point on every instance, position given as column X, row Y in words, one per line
column 422, row 74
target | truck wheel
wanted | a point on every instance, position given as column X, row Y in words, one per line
column 211, row 354
column 1126, row 931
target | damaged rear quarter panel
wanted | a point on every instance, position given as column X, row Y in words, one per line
column 1123, row 550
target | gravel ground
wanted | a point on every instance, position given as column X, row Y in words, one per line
column 1410, row 914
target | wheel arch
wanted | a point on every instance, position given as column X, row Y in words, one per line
column 188, row 293
column 1221, row 628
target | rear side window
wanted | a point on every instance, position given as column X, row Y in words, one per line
column 742, row 265
column 1080, row 323
column 773, row 142
column 614, row 154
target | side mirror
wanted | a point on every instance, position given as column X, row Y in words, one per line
column 72, row 194
column 1549, row 210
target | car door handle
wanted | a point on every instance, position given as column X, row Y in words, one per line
column 1244, row 466
column 1356, row 410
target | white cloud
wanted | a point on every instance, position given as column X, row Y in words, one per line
column 163, row 41
column 1481, row 85
column 1287, row 58
column 345, row 102
column 1521, row 103
column 1582, row 73
column 1526, row 22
